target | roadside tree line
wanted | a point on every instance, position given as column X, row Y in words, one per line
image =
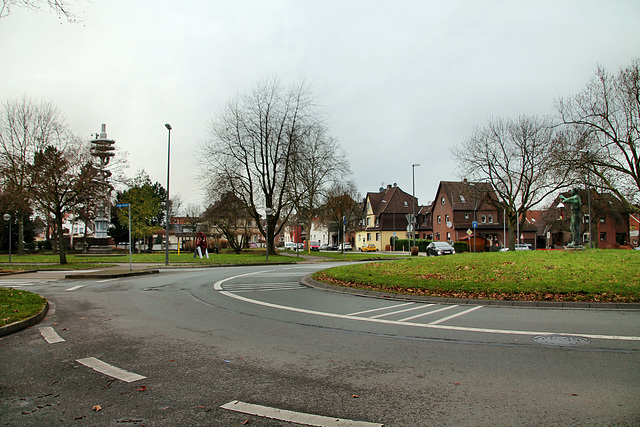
column 592, row 141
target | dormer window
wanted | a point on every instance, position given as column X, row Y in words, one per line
column 406, row 204
column 462, row 199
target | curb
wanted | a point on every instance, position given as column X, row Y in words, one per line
column 308, row 281
column 23, row 324
column 105, row 274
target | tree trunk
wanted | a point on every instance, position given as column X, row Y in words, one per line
column 20, row 250
column 61, row 249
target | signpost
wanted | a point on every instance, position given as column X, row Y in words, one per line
column 128, row 206
column 474, row 224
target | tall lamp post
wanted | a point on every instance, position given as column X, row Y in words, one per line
column 166, row 247
column 7, row 217
column 413, row 218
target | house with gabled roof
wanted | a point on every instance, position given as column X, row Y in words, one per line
column 385, row 217
column 459, row 206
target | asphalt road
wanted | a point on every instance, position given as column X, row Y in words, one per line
column 191, row 341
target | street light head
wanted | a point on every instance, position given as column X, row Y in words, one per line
column 6, row 217
column 168, row 126
column 415, row 164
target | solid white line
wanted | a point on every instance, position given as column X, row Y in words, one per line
column 294, row 417
column 448, row 307
column 112, row 371
column 444, row 319
column 74, row 288
column 50, row 335
column 108, row 280
column 218, row 286
column 381, row 308
column 401, row 311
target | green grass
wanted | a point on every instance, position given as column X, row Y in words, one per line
column 593, row 275
column 18, row 305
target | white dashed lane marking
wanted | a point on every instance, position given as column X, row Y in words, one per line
column 294, row 417
column 50, row 335
column 112, row 371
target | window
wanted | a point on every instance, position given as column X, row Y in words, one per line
column 377, row 237
column 439, row 219
column 484, row 218
column 462, row 199
column 448, row 237
column 603, row 237
column 442, row 201
column 446, row 218
column 490, row 219
column 368, row 221
column 601, row 220
column 466, row 215
column 377, row 221
column 406, row 204
column 368, row 236
column 586, row 219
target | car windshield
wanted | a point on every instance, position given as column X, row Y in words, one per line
column 441, row 244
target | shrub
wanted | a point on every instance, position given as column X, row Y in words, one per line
column 461, row 247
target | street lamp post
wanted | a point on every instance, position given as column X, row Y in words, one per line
column 413, row 218
column 7, row 217
column 168, row 219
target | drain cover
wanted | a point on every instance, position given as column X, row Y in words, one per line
column 560, row 340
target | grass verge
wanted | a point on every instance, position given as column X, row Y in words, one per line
column 16, row 304
column 593, row 275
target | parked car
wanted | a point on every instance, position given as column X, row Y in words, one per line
column 314, row 246
column 520, row 247
column 346, row 246
column 369, row 248
column 293, row 245
column 440, row 248
column 333, row 247
column 325, row 247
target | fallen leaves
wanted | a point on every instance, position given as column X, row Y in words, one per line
column 97, row 408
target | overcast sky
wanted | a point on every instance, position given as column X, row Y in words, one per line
column 399, row 81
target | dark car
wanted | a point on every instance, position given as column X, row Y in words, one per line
column 440, row 248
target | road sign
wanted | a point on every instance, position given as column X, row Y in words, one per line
column 409, row 228
column 469, row 232
column 122, row 205
column 474, row 224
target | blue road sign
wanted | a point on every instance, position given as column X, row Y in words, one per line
column 474, row 224
column 122, row 205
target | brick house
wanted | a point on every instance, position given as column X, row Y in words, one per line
column 610, row 226
column 458, row 204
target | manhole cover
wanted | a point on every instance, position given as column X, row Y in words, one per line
column 560, row 340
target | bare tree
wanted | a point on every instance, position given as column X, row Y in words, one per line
column 253, row 147
column 519, row 159
column 61, row 7
column 606, row 118
column 230, row 216
column 60, row 176
column 26, row 127
column 319, row 163
column 342, row 206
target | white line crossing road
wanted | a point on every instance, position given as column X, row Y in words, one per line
column 9, row 283
column 225, row 287
column 262, row 287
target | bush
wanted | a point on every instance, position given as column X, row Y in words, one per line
column 420, row 243
column 461, row 247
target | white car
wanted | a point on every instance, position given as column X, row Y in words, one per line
column 520, row 247
column 347, row 247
